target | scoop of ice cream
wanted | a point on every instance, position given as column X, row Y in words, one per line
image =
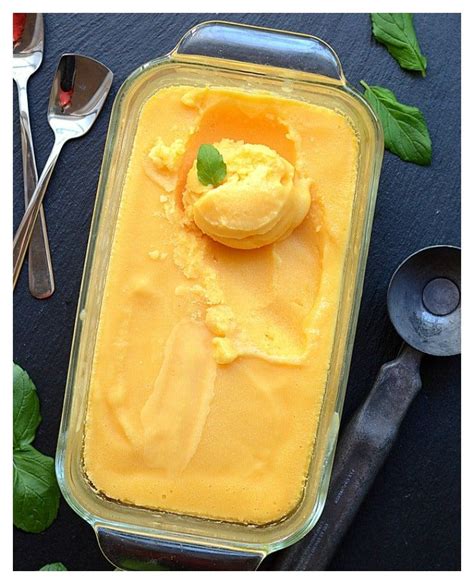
column 261, row 200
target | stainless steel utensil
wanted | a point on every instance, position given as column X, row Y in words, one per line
column 27, row 57
column 424, row 304
column 79, row 89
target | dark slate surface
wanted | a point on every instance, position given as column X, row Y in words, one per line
column 411, row 518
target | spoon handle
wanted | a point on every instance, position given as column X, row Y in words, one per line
column 40, row 269
column 25, row 230
column 360, row 453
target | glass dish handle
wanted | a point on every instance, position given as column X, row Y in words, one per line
column 261, row 46
column 129, row 551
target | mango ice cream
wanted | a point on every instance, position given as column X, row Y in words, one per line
column 220, row 305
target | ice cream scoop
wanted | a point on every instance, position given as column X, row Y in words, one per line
column 424, row 304
column 261, row 200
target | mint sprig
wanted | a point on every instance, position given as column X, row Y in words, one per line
column 26, row 413
column 397, row 33
column 405, row 131
column 211, row 168
column 35, row 489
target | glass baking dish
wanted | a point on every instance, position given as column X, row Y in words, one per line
column 226, row 54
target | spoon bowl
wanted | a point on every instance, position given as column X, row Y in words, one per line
column 28, row 48
column 80, row 87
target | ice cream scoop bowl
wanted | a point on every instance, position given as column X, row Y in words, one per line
column 424, row 300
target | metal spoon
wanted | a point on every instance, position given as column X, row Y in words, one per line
column 424, row 304
column 80, row 87
column 27, row 57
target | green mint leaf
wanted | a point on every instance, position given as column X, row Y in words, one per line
column 397, row 33
column 405, row 131
column 56, row 567
column 35, row 490
column 26, row 414
column 211, row 168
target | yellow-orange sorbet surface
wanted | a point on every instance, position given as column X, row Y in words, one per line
column 220, row 305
